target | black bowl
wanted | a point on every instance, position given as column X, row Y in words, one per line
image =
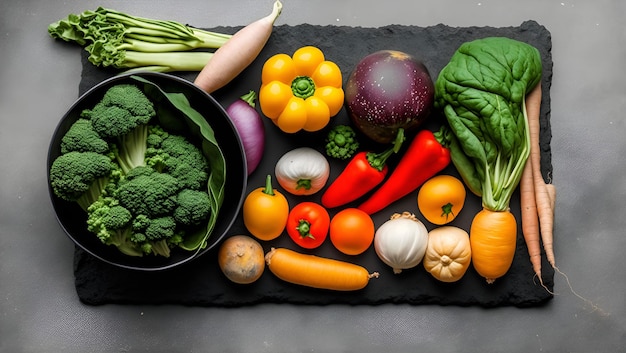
column 73, row 219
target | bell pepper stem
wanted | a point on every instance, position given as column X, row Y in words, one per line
column 269, row 189
column 378, row 160
column 303, row 87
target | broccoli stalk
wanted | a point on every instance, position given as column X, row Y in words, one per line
column 341, row 142
column 132, row 146
column 121, row 40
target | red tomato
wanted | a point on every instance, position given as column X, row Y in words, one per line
column 308, row 224
column 352, row 231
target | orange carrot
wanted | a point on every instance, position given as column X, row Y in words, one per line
column 543, row 198
column 493, row 235
column 237, row 53
column 316, row 272
column 530, row 220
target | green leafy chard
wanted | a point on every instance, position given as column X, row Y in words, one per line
column 482, row 93
column 123, row 41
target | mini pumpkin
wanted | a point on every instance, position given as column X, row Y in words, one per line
column 448, row 253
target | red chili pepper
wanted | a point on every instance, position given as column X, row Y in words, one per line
column 424, row 158
column 364, row 171
column 308, row 224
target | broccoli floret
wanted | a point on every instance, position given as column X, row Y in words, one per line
column 341, row 142
column 156, row 235
column 80, row 176
column 193, row 207
column 123, row 115
column 131, row 98
column 181, row 159
column 81, row 137
column 156, row 135
column 146, row 191
column 155, row 156
column 161, row 228
column 111, row 224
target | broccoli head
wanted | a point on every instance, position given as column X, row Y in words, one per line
column 80, row 176
column 155, row 235
column 111, row 224
column 81, row 137
column 129, row 97
column 146, row 191
column 123, row 115
column 341, row 142
column 178, row 157
column 193, row 207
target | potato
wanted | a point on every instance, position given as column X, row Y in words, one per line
column 241, row 259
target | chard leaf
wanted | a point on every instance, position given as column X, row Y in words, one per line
column 482, row 91
column 217, row 162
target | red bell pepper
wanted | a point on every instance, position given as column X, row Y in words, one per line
column 362, row 174
column 308, row 224
column 424, row 158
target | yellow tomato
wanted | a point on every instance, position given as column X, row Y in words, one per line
column 441, row 198
column 265, row 212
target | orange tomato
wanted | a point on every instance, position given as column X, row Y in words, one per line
column 441, row 198
column 352, row 231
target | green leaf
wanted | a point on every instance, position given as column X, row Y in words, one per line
column 217, row 162
column 481, row 92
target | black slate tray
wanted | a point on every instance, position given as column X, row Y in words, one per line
column 201, row 283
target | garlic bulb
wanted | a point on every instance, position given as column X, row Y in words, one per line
column 401, row 241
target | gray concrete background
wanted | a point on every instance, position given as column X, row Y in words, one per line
column 39, row 310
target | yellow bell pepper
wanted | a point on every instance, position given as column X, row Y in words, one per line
column 301, row 92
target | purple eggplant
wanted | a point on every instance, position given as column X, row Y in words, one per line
column 386, row 91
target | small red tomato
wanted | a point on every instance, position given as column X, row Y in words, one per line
column 308, row 224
